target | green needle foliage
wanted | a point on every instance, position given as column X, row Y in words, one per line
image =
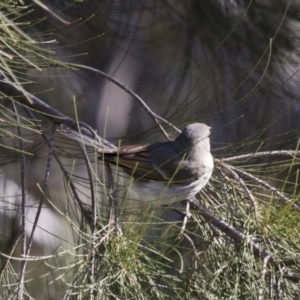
column 66, row 232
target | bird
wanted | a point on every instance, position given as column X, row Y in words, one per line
column 160, row 173
column 167, row 172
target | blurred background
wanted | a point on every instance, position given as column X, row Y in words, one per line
column 231, row 64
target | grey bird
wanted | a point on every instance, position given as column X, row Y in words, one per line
column 167, row 172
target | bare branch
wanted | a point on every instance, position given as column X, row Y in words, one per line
column 23, row 212
column 262, row 154
column 263, row 273
column 83, row 209
column 157, row 119
column 45, row 184
column 230, row 231
column 31, row 101
column 243, row 185
column 259, row 181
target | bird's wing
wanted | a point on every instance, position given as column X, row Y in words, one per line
column 97, row 142
column 136, row 161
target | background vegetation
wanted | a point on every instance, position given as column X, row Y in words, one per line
column 230, row 64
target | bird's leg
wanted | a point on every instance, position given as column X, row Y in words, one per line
column 187, row 215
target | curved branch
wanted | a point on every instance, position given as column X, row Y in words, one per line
column 156, row 118
column 23, row 97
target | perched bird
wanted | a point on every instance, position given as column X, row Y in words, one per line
column 166, row 172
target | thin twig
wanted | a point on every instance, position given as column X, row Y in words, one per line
column 244, row 186
column 91, row 276
column 157, row 119
column 229, row 230
column 192, row 243
column 30, row 239
column 262, row 154
column 259, row 181
column 293, row 278
column 31, row 101
column 26, row 98
column 92, row 187
column 289, row 262
column 113, row 203
column 262, row 280
column 100, row 143
column 93, row 222
column 277, row 287
column 83, row 209
column 13, row 248
column 45, row 184
column 23, row 210
column 239, row 237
